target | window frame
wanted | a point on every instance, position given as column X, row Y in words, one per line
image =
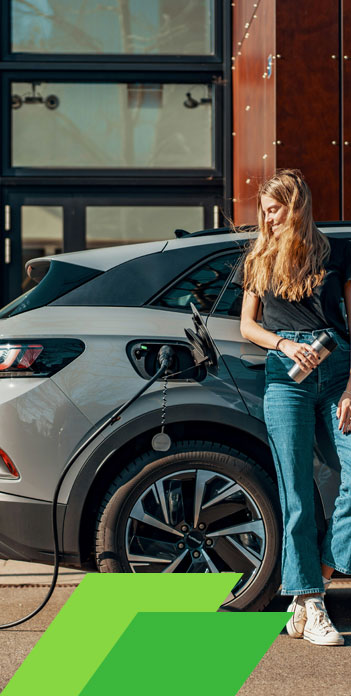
column 215, row 172
column 75, row 197
column 112, row 58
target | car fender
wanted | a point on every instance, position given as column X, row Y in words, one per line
column 90, row 463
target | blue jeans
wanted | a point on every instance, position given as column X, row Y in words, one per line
column 290, row 411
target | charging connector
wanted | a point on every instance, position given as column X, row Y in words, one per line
column 166, row 356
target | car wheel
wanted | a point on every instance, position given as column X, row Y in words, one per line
column 203, row 508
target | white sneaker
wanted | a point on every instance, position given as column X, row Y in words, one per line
column 296, row 624
column 318, row 628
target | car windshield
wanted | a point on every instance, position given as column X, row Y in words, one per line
column 60, row 278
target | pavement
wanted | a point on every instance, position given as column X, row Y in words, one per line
column 293, row 666
column 16, row 643
column 21, row 574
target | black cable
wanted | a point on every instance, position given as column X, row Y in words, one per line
column 165, row 357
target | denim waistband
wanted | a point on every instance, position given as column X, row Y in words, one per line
column 295, row 335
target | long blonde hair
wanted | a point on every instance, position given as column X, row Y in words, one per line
column 292, row 265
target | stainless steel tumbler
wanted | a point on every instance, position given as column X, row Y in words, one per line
column 324, row 345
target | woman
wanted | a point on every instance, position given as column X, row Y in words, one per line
column 300, row 276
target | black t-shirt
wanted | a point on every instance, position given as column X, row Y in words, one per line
column 321, row 310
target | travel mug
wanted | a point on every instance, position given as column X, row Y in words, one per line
column 324, row 345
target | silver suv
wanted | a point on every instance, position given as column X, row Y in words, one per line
column 85, row 340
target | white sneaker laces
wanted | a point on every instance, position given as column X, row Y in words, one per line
column 321, row 619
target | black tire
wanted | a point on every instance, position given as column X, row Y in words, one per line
column 125, row 543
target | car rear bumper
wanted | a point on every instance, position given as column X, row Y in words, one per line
column 26, row 528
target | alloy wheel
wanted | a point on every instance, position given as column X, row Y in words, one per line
column 196, row 521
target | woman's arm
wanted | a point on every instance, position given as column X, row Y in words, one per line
column 249, row 327
column 251, row 330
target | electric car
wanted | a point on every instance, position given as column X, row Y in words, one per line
column 182, row 479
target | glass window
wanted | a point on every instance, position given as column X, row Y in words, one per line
column 102, row 126
column 134, row 282
column 109, row 225
column 144, row 27
column 201, row 287
column 231, row 301
column 60, row 277
column 42, row 235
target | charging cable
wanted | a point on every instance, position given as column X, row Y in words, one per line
column 165, row 358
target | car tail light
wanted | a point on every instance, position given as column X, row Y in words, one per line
column 37, row 358
column 7, row 467
column 20, row 356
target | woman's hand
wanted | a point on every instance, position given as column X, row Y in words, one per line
column 296, row 351
column 343, row 412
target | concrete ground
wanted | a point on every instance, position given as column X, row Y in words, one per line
column 293, row 666
column 16, row 643
column 18, row 573
column 22, row 588
column 289, row 667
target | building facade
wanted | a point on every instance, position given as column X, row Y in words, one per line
column 122, row 121
column 292, row 100
column 116, row 124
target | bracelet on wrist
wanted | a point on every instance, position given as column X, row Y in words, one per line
column 277, row 344
column 347, row 392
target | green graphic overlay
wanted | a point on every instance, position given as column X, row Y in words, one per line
column 119, row 630
column 170, row 654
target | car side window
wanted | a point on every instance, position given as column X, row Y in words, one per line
column 230, row 302
column 201, row 286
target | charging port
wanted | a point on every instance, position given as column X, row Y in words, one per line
column 144, row 356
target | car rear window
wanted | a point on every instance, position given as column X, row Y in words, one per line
column 60, row 278
column 135, row 282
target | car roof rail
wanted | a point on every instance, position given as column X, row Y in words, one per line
column 218, row 230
